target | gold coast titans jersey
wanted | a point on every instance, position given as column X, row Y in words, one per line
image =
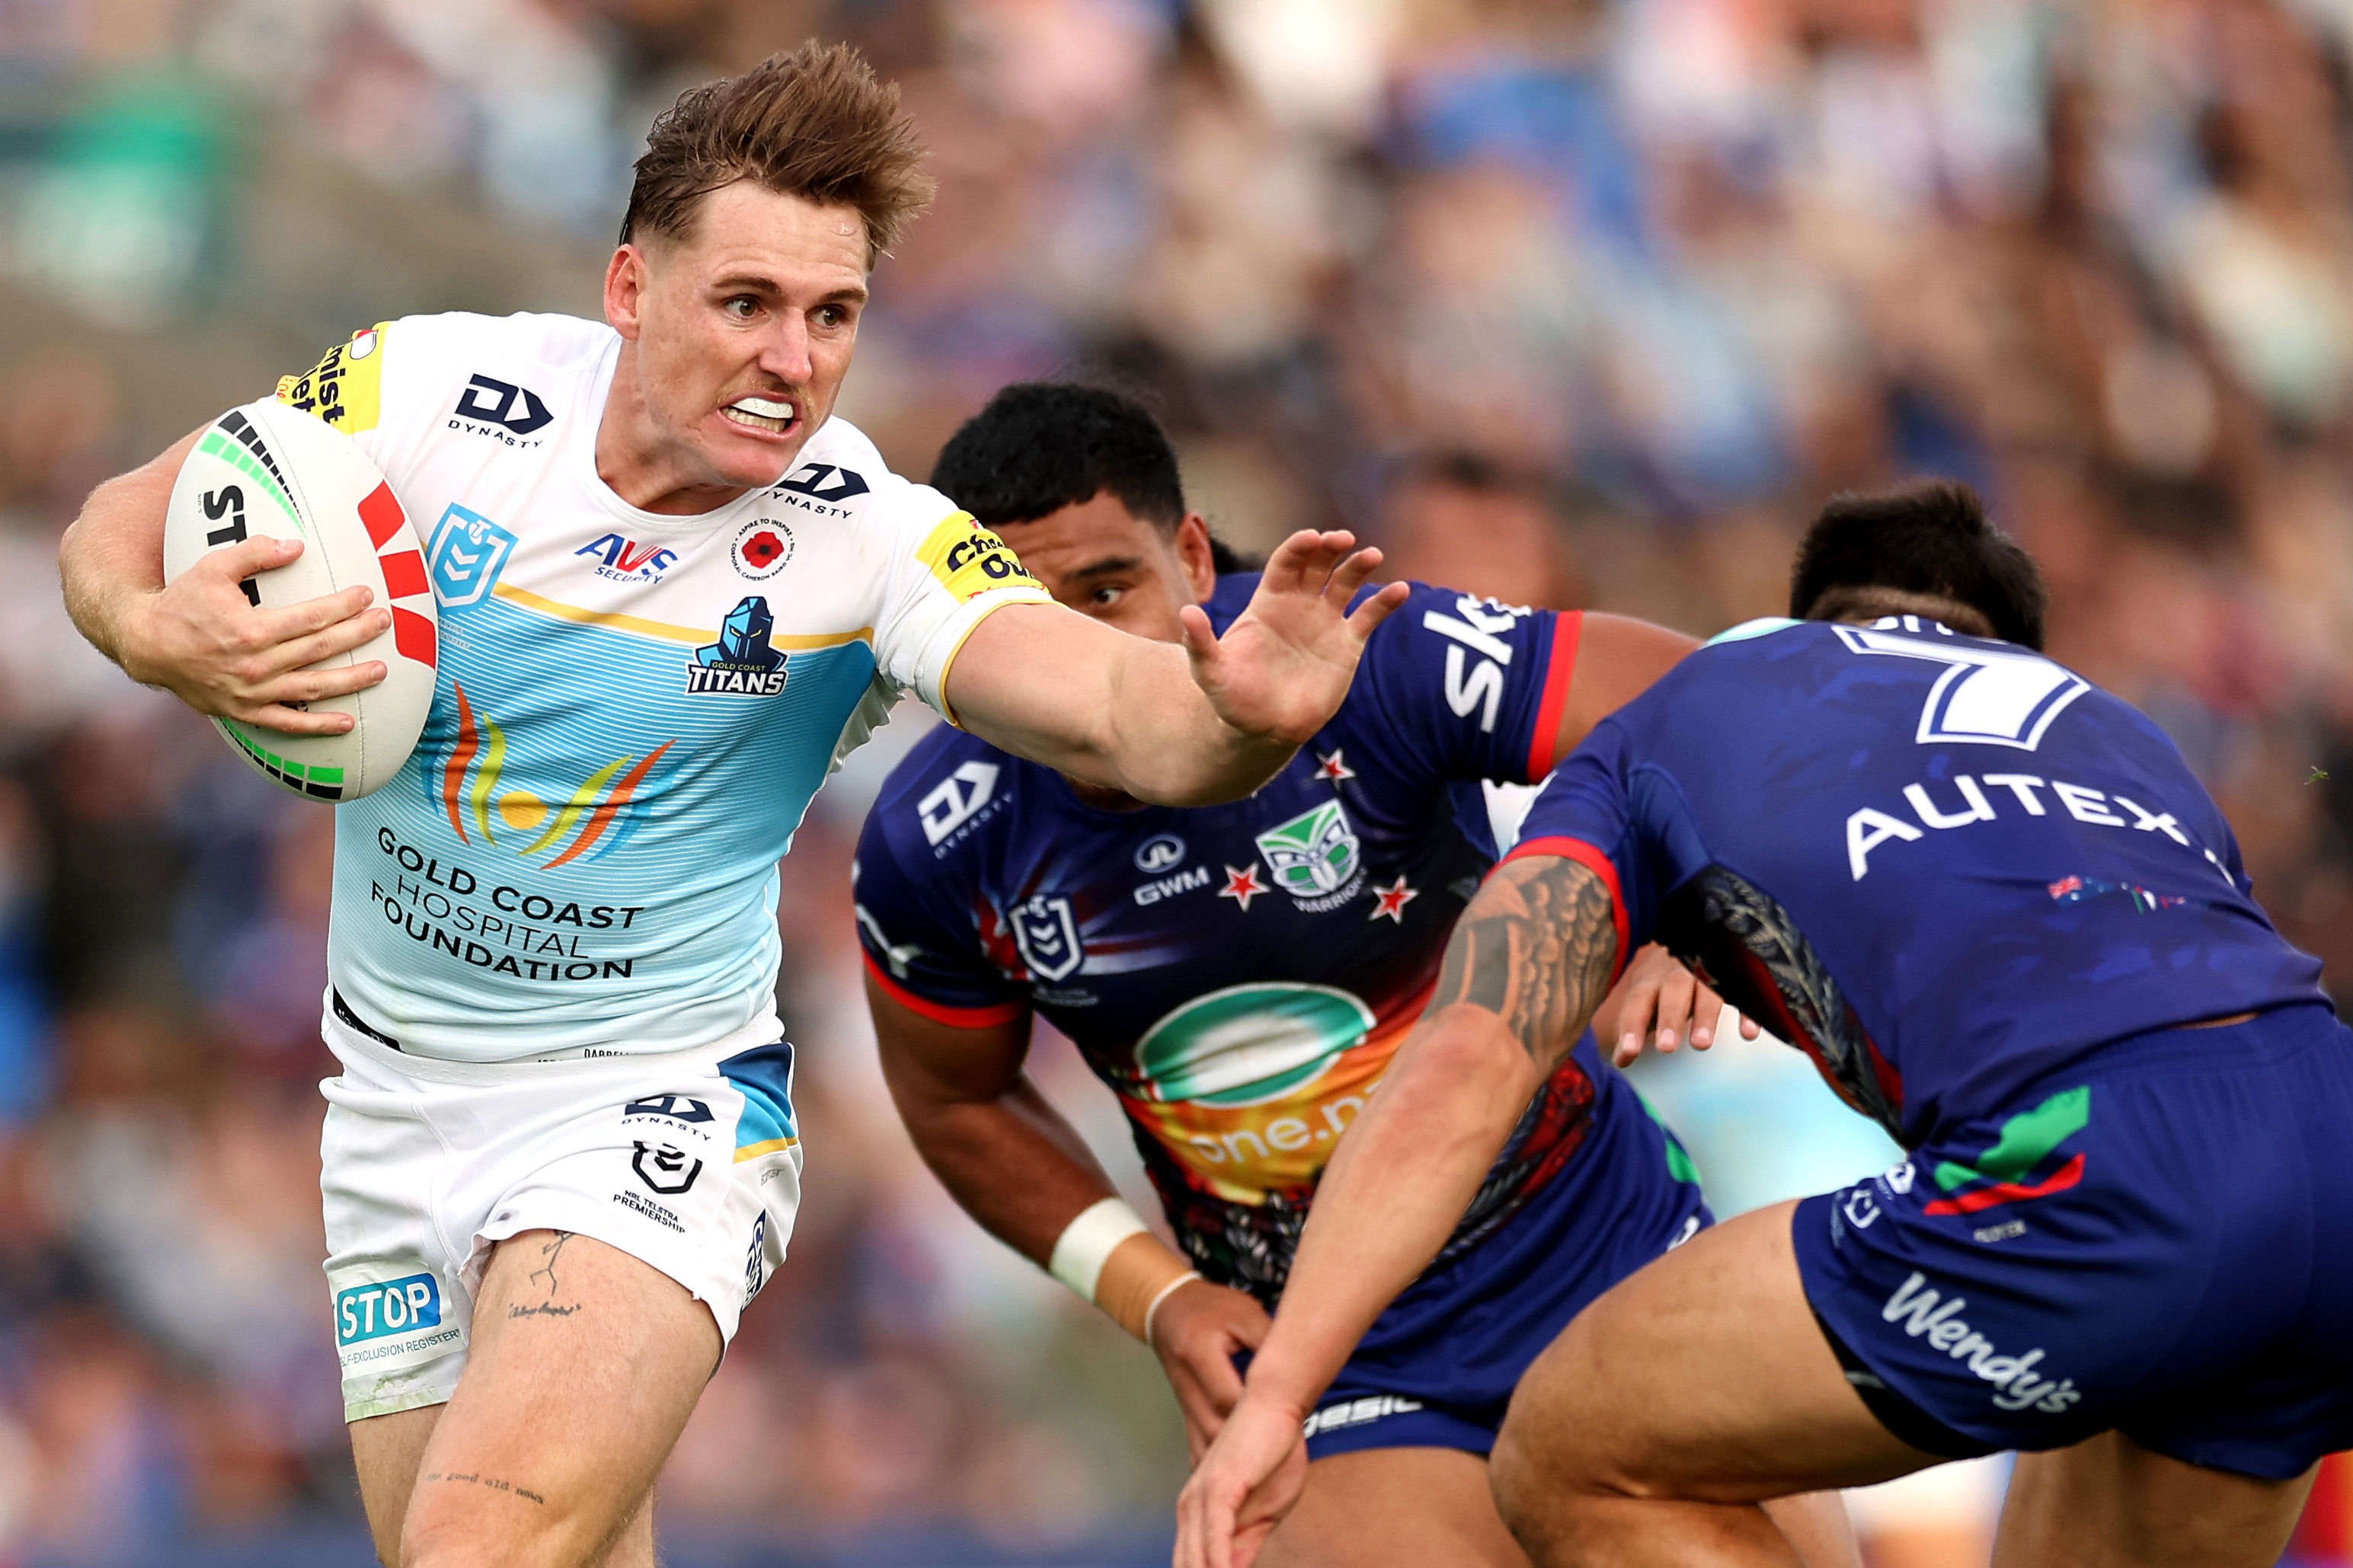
column 633, row 709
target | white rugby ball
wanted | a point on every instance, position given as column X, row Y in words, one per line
column 266, row 468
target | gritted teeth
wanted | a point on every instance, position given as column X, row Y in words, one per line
column 735, row 415
column 767, row 408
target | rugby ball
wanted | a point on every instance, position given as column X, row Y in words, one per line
column 266, row 468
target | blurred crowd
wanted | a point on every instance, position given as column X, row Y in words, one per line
column 1578, row 303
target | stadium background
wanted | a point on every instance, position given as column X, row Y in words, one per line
column 1579, row 304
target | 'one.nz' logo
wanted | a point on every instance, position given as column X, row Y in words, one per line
column 741, row 663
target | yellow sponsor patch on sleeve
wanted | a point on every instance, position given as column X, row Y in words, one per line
column 343, row 387
column 969, row 560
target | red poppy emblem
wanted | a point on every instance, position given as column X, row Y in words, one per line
column 762, row 548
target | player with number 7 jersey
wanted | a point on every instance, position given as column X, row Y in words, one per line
column 2005, row 919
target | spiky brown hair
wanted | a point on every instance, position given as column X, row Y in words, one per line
column 814, row 123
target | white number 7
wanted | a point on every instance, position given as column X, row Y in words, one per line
column 1987, row 696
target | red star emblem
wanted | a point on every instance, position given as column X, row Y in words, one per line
column 1243, row 885
column 1333, row 768
column 1391, row 900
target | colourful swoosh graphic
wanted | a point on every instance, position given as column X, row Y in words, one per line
column 574, row 808
column 453, row 774
column 612, row 807
column 494, row 756
column 480, row 750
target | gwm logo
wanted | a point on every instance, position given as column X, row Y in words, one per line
column 1315, row 857
column 1160, row 852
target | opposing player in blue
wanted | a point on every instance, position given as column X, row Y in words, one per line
column 1993, row 904
column 1240, row 975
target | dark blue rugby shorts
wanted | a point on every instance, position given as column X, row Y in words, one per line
column 2157, row 1240
column 1437, row 1369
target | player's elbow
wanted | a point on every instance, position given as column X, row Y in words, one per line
column 1467, row 1040
column 84, row 581
column 1191, row 792
column 1464, row 1055
column 1162, row 775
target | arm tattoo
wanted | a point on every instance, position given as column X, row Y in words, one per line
column 551, row 1251
column 1536, row 947
column 477, row 1479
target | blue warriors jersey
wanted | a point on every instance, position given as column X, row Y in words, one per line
column 1240, row 974
column 1943, row 866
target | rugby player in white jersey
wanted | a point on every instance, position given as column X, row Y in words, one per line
column 561, row 1155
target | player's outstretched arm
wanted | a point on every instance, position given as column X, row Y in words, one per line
column 1530, row 960
column 1192, row 726
column 199, row 637
column 1013, row 1164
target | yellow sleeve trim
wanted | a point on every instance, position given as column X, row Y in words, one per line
column 947, row 710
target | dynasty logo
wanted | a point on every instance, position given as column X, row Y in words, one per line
column 741, row 663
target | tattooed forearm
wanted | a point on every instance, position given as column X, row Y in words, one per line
column 476, row 1479
column 1536, row 947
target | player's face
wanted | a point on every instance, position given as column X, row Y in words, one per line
column 743, row 329
column 1103, row 560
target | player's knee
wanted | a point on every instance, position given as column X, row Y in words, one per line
column 1546, row 1487
column 1512, row 1476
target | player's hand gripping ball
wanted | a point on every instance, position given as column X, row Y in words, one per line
column 267, row 469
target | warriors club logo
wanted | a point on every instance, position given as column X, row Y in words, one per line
column 1315, row 857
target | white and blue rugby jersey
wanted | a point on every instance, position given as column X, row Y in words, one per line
column 633, row 711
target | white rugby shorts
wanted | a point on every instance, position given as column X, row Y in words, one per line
column 686, row 1160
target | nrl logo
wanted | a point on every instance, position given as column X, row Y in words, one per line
column 1047, row 937
column 1314, row 856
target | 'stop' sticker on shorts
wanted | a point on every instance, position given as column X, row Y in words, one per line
column 395, row 1307
column 969, row 560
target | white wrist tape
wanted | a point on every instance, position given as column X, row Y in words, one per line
column 1088, row 1241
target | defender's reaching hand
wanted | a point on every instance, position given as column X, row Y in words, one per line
column 1252, row 1477
column 1283, row 668
column 1196, row 1333
column 1659, row 1000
